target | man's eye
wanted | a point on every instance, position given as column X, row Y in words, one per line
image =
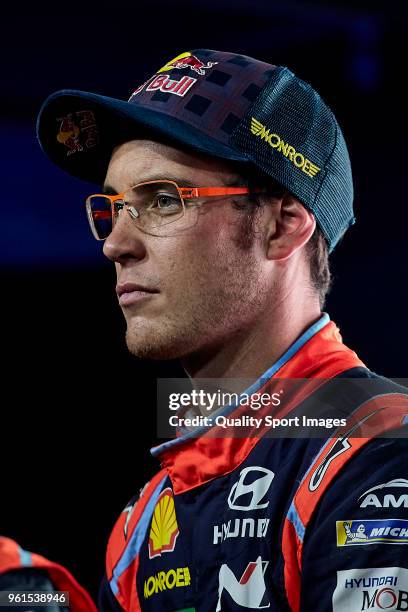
column 166, row 203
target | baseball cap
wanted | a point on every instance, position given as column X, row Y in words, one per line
column 223, row 104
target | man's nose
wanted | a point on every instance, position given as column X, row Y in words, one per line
column 125, row 240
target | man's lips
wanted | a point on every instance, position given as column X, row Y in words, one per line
column 130, row 293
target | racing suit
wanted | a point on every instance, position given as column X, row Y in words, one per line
column 282, row 523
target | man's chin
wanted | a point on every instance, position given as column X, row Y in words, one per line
column 151, row 346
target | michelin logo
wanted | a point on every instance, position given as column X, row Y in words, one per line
column 386, row 531
column 373, row 589
column 359, row 535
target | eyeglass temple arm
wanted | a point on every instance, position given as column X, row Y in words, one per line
column 194, row 192
column 201, row 192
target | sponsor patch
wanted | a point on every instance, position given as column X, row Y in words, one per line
column 78, row 131
column 166, row 580
column 241, row 528
column 360, row 532
column 164, row 83
column 250, row 590
column 277, row 142
column 373, row 589
column 340, row 446
column 164, row 528
column 189, row 61
column 381, row 497
column 249, row 492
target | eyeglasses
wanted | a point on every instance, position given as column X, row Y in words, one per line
column 152, row 205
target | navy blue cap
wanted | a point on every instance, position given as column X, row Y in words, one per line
column 223, row 104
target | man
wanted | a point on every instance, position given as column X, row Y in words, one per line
column 227, row 182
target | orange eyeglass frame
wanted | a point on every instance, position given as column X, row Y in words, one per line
column 186, row 193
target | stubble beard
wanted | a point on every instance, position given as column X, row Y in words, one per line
column 165, row 339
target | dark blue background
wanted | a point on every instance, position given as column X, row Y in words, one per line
column 78, row 411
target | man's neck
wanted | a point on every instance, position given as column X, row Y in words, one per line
column 247, row 355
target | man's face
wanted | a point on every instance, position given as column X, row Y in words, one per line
column 205, row 282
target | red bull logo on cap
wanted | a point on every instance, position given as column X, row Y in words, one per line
column 180, row 87
column 68, row 134
column 78, row 131
column 188, row 60
column 164, row 83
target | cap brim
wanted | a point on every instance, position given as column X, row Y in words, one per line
column 115, row 121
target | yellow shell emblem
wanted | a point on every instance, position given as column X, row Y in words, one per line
column 164, row 528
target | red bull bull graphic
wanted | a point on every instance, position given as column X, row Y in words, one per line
column 78, row 131
column 69, row 134
column 188, row 60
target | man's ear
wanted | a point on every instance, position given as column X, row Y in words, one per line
column 290, row 226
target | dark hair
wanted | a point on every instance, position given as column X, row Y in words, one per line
column 317, row 252
column 316, row 249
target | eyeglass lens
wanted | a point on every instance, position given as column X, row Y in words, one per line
column 151, row 206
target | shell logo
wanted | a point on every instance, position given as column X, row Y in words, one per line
column 164, row 528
